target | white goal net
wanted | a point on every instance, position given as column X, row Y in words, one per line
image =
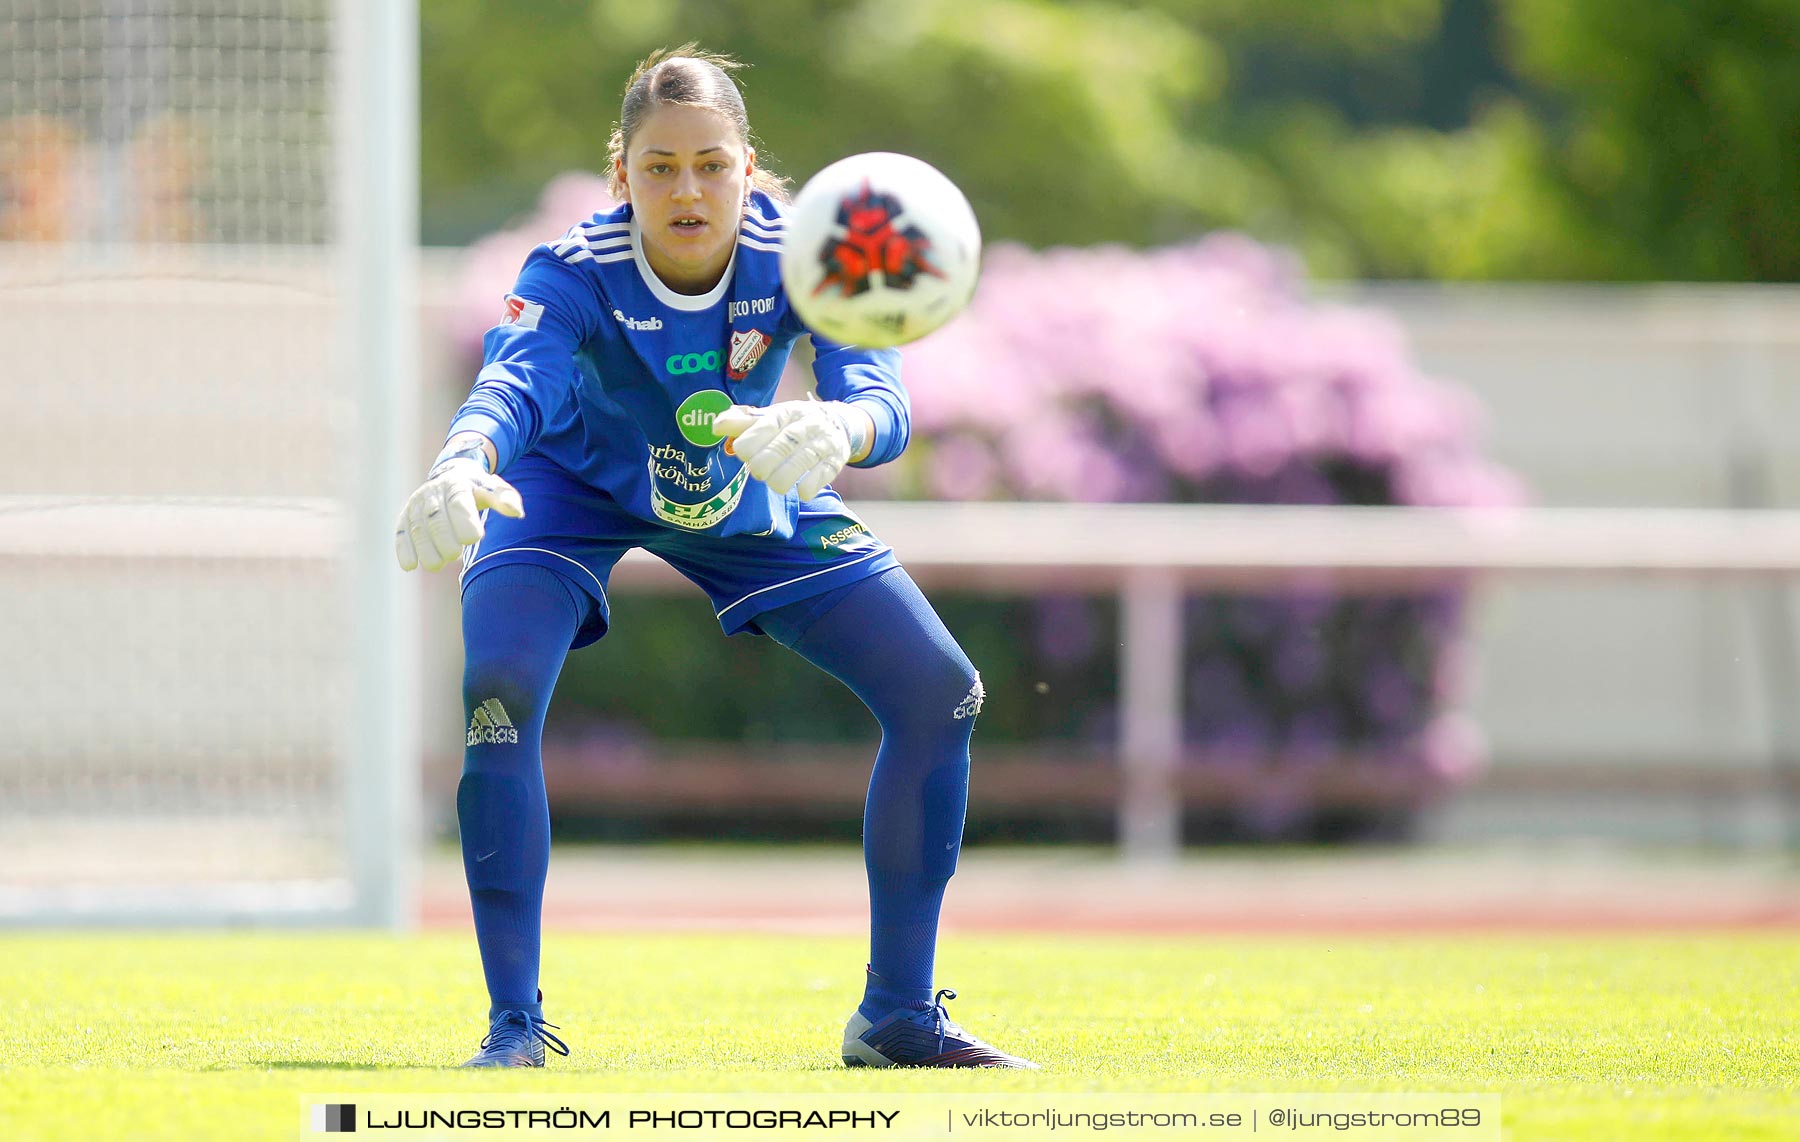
column 194, row 407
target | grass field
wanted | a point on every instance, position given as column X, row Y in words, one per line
column 216, row 1036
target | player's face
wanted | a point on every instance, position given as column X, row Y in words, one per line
column 686, row 176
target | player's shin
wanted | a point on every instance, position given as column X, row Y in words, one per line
column 884, row 641
column 910, row 857
column 518, row 622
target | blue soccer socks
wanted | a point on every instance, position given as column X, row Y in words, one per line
column 518, row 620
column 881, row 638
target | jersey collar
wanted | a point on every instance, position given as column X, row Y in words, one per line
column 689, row 302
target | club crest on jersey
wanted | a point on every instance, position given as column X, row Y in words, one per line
column 747, row 347
column 520, row 312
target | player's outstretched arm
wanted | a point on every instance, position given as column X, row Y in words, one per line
column 444, row 515
column 803, row 443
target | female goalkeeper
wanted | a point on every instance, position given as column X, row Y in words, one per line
column 625, row 399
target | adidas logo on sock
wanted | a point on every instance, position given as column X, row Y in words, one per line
column 971, row 705
column 491, row 726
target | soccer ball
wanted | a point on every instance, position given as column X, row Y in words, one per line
column 880, row 250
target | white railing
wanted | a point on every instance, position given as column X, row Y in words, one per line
column 1150, row 554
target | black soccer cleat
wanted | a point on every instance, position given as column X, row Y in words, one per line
column 913, row 1037
column 517, row 1039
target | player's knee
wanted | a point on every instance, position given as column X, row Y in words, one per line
column 951, row 694
column 500, row 706
column 517, row 624
column 507, row 675
column 945, row 699
column 493, row 717
column 967, row 684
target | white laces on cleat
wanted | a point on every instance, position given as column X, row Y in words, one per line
column 945, row 1025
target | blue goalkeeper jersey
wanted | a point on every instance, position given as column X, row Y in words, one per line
column 600, row 368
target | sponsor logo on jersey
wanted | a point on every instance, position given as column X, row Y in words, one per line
column 520, row 312
column 747, row 347
column 698, row 517
column 672, row 464
column 754, row 307
column 489, row 725
column 695, row 416
column 833, row 538
column 679, row 363
column 639, row 324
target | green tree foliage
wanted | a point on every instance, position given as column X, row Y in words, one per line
column 1678, row 138
column 1565, row 139
column 1063, row 123
column 1626, row 141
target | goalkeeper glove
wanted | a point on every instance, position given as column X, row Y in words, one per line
column 444, row 515
column 797, row 442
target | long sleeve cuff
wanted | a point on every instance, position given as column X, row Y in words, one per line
column 475, row 420
column 891, row 430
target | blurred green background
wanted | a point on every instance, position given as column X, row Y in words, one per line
column 1449, row 139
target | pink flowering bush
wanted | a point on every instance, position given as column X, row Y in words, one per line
column 1202, row 374
column 1198, row 373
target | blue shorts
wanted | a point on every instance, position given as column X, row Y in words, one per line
column 580, row 532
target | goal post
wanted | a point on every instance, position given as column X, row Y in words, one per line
column 207, row 286
column 378, row 192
